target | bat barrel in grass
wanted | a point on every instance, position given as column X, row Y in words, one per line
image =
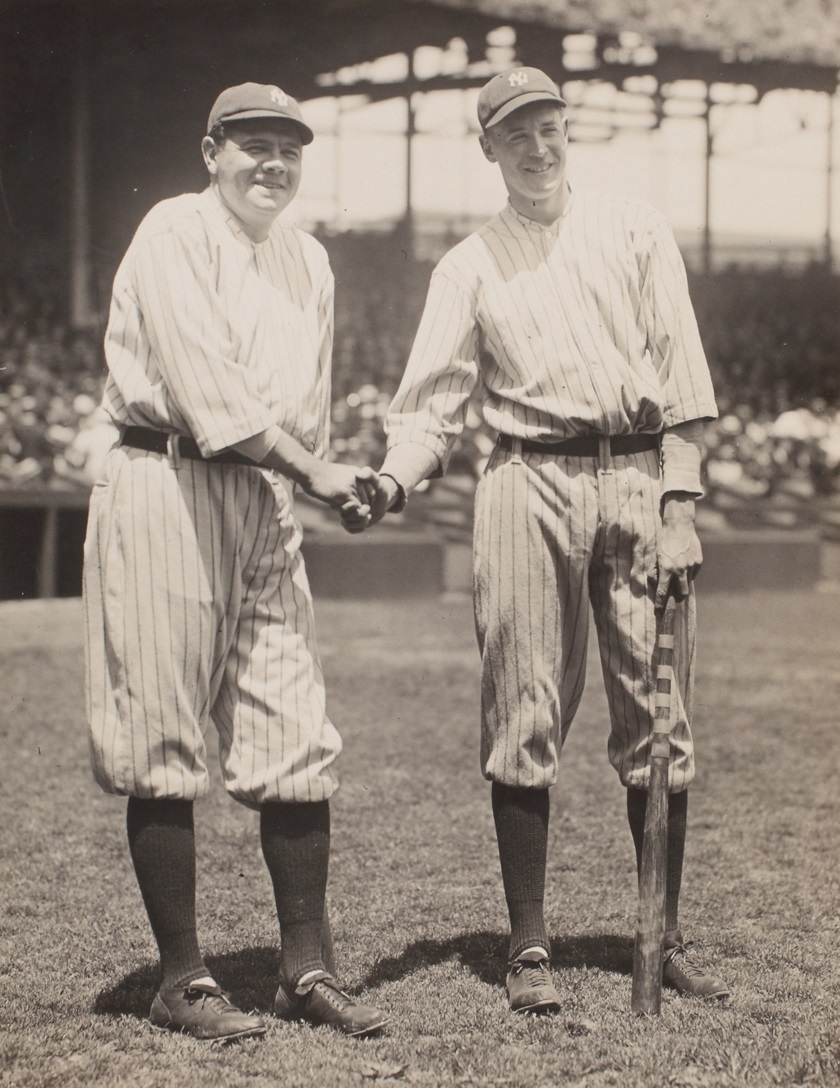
column 650, row 930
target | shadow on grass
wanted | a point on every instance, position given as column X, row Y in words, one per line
column 249, row 973
column 485, row 954
column 603, row 951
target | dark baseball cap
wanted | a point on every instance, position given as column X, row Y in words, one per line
column 258, row 100
column 510, row 90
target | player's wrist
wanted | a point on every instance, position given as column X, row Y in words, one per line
column 308, row 472
column 678, row 506
column 397, row 497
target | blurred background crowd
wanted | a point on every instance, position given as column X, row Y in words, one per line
column 772, row 338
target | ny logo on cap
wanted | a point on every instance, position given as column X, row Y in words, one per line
column 518, row 79
column 278, row 97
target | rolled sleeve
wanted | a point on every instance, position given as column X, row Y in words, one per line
column 682, row 456
column 409, row 463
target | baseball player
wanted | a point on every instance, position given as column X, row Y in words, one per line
column 197, row 604
column 571, row 309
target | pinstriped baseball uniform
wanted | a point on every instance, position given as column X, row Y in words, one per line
column 584, row 327
column 197, row 603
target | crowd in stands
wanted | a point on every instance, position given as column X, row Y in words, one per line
column 772, row 338
column 773, row 343
column 50, row 387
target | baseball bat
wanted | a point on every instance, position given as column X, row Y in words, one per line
column 646, row 996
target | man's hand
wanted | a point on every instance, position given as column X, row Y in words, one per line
column 386, row 495
column 340, row 486
column 356, row 513
column 679, row 556
column 355, row 519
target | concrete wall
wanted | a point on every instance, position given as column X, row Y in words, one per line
column 41, row 556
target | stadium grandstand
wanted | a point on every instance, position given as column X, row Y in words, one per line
column 101, row 106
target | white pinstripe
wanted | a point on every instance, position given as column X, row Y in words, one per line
column 197, row 603
column 551, row 534
column 583, row 327
column 213, row 335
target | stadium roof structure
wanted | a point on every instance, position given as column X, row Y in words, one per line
column 73, row 69
column 789, row 30
column 803, row 32
column 768, row 43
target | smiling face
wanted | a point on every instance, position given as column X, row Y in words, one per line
column 530, row 148
column 256, row 170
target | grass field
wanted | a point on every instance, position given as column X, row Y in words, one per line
column 415, row 890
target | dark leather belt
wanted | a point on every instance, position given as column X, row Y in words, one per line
column 584, row 445
column 145, row 438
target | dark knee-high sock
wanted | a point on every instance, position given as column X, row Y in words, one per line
column 161, row 839
column 677, row 822
column 521, row 818
column 296, row 846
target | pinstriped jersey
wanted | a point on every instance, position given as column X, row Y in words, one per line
column 213, row 335
column 582, row 327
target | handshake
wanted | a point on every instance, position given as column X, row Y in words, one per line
column 360, row 495
column 376, row 495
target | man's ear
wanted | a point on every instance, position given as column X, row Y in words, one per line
column 209, row 151
column 487, row 147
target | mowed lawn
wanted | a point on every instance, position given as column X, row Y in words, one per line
column 415, row 890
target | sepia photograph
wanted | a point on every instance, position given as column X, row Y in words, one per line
column 419, row 543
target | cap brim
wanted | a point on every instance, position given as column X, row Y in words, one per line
column 307, row 135
column 523, row 100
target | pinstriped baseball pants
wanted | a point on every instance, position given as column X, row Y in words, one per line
column 198, row 610
column 552, row 536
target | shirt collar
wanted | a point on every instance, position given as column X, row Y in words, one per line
column 233, row 224
column 532, row 225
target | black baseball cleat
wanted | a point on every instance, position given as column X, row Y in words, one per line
column 684, row 974
column 204, row 1011
column 529, row 984
column 320, row 1000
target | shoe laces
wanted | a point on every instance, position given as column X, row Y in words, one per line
column 688, row 965
column 217, row 999
column 535, row 971
column 329, row 989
